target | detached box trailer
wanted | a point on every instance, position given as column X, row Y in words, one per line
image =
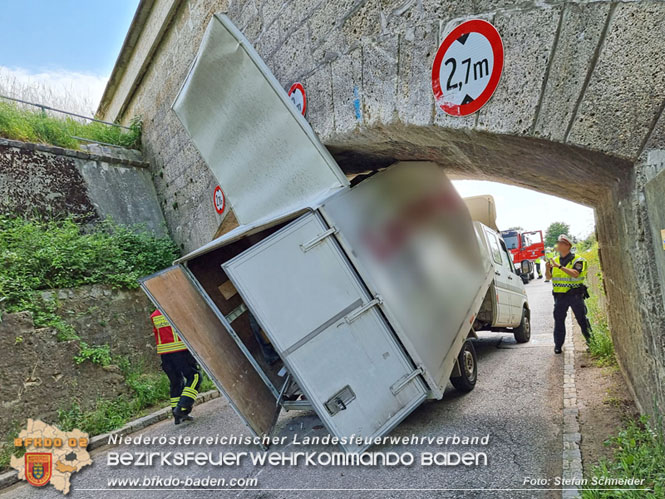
column 367, row 293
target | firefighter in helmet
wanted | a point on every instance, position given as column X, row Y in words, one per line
column 180, row 367
column 567, row 272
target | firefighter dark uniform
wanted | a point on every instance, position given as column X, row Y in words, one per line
column 180, row 367
column 569, row 292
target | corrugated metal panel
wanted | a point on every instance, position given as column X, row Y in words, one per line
column 264, row 154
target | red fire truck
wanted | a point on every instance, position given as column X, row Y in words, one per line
column 525, row 248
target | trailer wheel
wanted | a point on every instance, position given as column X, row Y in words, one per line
column 468, row 364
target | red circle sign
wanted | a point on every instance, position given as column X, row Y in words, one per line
column 467, row 68
column 218, row 200
column 298, row 97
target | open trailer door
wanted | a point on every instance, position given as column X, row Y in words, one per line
column 218, row 354
column 261, row 150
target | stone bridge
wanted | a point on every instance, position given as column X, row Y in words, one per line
column 578, row 113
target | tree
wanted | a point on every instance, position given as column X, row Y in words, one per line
column 585, row 244
column 554, row 231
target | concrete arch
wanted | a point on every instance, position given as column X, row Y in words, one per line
column 578, row 114
column 577, row 79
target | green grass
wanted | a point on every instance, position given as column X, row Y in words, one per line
column 7, row 447
column 639, row 452
column 36, row 126
column 147, row 390
column 601, row 346
column 37, row 255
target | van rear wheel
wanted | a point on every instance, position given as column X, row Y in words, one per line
column 468, row 366
column 523, row 331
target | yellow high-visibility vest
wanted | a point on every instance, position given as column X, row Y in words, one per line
column 562, row 282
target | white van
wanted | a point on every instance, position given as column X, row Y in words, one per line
column 368, row 293
column 506, row 307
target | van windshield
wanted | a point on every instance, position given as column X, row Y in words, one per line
column 511, row 242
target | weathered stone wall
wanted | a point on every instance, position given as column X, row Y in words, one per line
column 184, row 184
column 102, row 315
column 38, row 372
column 95, row 183
column 576, row 114
column 634, row 292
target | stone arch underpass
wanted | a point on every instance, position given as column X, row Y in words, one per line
column 578, row 114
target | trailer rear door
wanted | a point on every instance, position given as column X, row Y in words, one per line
column 324, row 324
column 175, row 295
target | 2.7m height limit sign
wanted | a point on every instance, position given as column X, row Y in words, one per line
column 467, row 68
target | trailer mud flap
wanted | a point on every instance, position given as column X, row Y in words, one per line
column 218, row 354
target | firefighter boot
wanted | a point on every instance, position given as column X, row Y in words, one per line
column 179, row 416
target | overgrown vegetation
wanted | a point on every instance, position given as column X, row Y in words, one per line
column 586, row 244
column 639, row 453
column 7, row 447
column 36, row 255
column 100, row 355
column 25, row 125
column 601, row 346
column 147, row 390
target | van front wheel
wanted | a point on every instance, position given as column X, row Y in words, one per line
column 523, row 331
column 468, row 367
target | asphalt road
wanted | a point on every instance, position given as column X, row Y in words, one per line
column 517, row 401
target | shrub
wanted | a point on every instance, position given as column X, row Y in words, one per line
column 100, row 355
column 37, row 255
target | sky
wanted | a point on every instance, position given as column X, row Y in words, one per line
column 519, row 207
column 68, row 48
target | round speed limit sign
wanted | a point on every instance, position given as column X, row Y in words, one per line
column 298, row 97
column 218, row 200
column 467, row 68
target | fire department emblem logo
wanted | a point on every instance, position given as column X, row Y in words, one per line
column 51, row 456
column 38, row 468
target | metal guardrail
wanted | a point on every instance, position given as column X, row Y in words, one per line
column 49, row 108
